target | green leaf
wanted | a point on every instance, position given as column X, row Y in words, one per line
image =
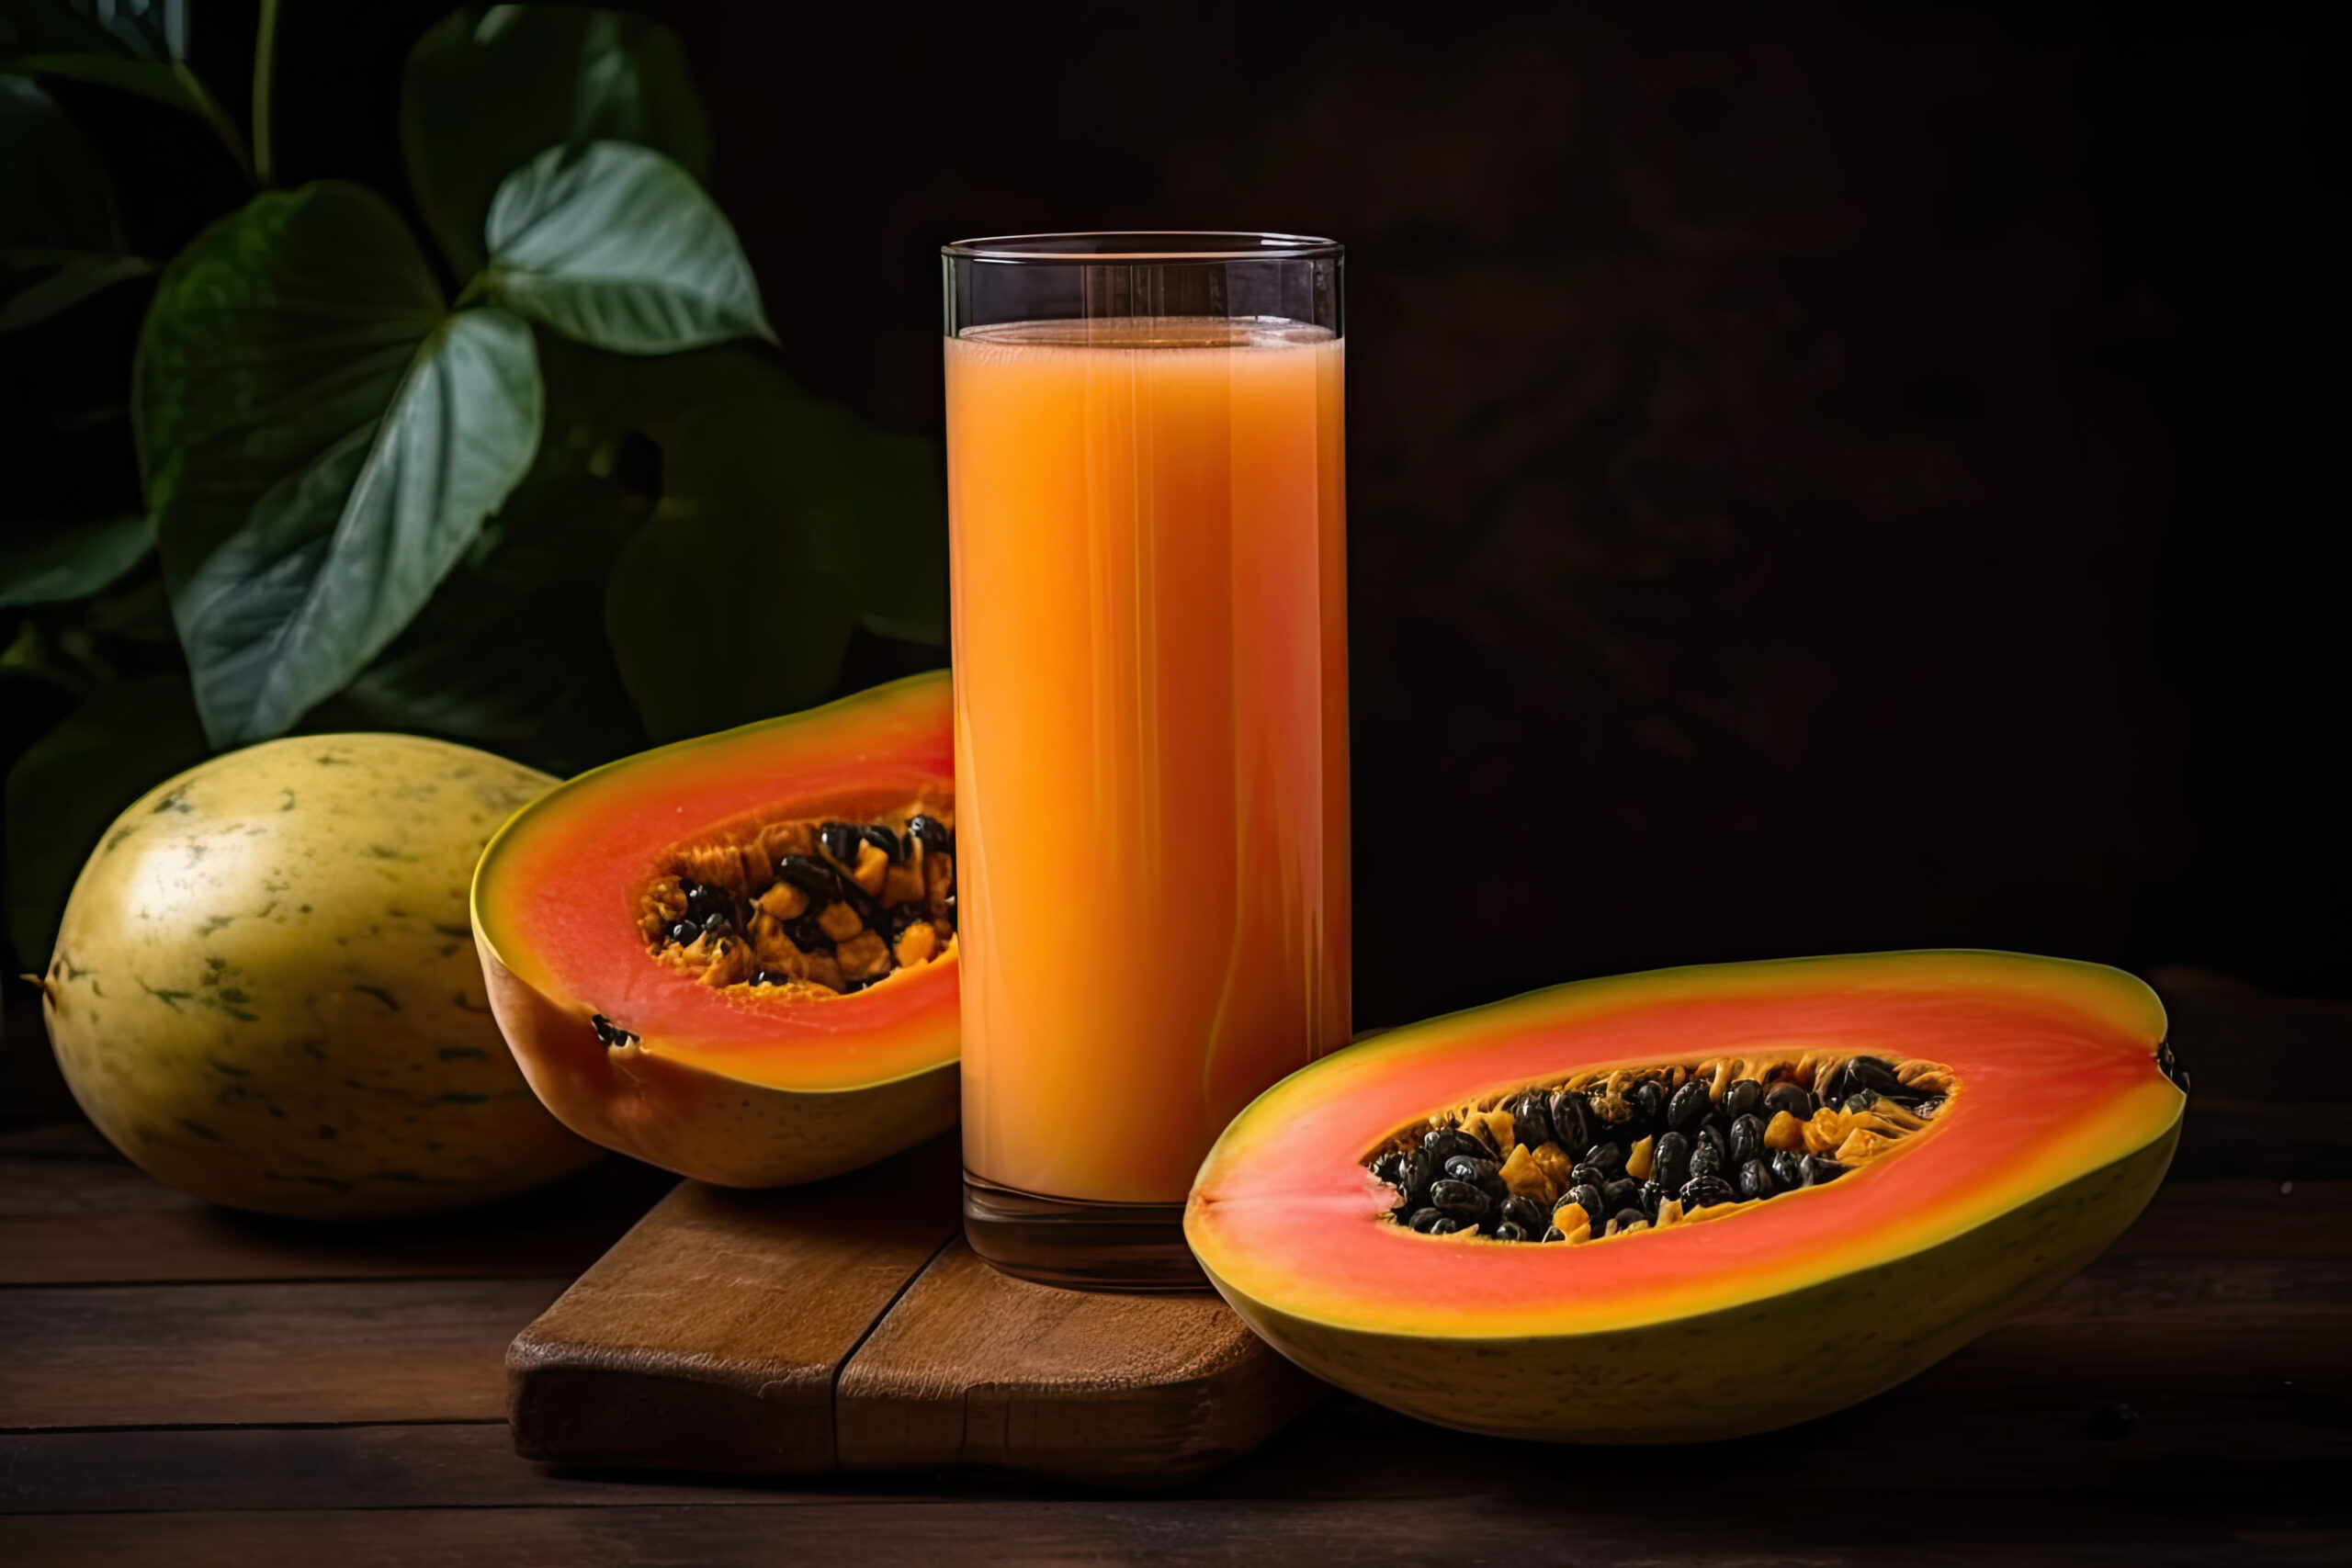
column 486, row 91
column 140, row 29
column 126, row 738
column 618, row 247
column 66, row 285
column 55, row 195
column 511, row 653
column 320, row 442
column 140, row 47
column 736, row 601
column 59, row 229
column 73, row 560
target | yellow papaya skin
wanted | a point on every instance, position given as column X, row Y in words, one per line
column 683, row 1117
column 265, row 991
column 1741, row 1369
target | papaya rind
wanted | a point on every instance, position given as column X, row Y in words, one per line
column 1745, row 1369
column 263, row 994
column 698, row 1123
column 1297, row 1150
column 856, row 1079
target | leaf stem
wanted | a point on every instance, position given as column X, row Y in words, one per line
column 211, row 113
column 265, row 67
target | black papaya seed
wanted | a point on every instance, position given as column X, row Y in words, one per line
column 1419, row 1171
column 932, row 834
column 840, row 839
column 1927, row 1109
column 1788, row 1168
column 1507, row 1231
column 707, row 901
column 1424, row 1219
column 1587, row 1195
column 1607, row 1158
column 1445, row 1143
column 1688, row 1107
column 1525, row 1212
column 1862, row 1099
column 1820, row 1169
column 610, row 1035
column 1623, row 1193
column 682, row 932
column 1742, row 1099
column 1447, row 1226
column 1583, row 1175
column 810, row 876
column 806, row 934
column 1829, row 1087
column 1754, row 1180
column 1531, row 1121
column 1486, row 1175
column 1460, row 1198
column 1654, row 1195
column 1471, row 1169
column 1709, row 1135
column 1390, row 1168
column 882, row 838
column 768, row 977
column 1747, row 1140
column 1789, row 1096
column 1573, row 1124
column 1648, row 1100
column 1869, row 1072
column 1626, row 1218
column 1670, row 1160
column 1707, row 1159
column 1702, row 1191
column 947, row 911
column 1554, row 1233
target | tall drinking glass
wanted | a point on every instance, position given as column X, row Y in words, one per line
column 1144, row 442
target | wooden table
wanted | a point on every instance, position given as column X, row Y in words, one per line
column 182, row 1386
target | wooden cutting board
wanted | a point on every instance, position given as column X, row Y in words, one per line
column 846, row 1326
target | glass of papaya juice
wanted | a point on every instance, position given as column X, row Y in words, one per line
column 1148, row 524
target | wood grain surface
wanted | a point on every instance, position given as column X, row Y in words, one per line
column 846, row 1326
column 710, row 1335
column 188, row 1388
column 972, row 1367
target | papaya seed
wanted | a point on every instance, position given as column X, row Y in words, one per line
column 1622, row 1150
column 806, row 910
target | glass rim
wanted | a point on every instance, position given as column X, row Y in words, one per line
column 1090, row 247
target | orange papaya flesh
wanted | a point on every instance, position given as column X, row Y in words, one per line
column 2059, row 1124
column 664, row 1051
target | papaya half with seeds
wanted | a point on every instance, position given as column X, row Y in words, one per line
column 735, row 957
column 1999, row 1120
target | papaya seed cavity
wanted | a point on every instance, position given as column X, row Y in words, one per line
column 1614, row 1152
column 806, row 908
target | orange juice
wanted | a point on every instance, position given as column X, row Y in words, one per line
column 1151, row 786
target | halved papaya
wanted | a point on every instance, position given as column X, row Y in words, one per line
column 2016, row 1115
column 735, row 957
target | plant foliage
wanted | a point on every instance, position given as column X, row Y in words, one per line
column 473, row 490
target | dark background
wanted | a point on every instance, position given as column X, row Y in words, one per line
column 1833, row 480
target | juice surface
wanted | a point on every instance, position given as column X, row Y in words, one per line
column 1151, row 793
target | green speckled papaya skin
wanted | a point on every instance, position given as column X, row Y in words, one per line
column 265, row 990
column 1742, row 1370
